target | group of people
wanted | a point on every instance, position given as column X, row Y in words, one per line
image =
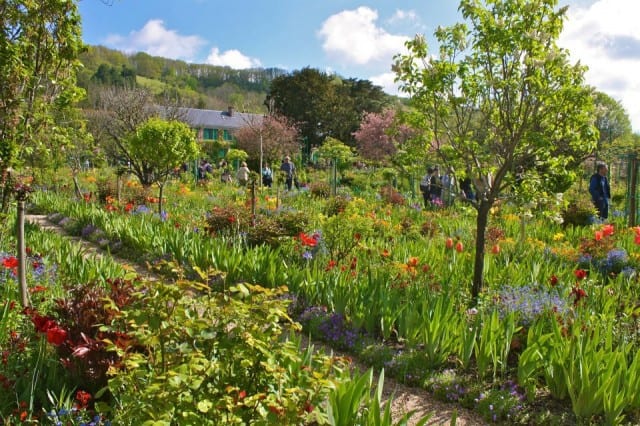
column 205, row 169
column 439, row 190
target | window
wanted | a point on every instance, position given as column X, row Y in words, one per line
column 208, row 134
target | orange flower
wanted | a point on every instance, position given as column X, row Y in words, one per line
column 495, row 249
column 412, row 262
column 332, row 264
column 459, row 247
column 385, row 253
column 599, row 235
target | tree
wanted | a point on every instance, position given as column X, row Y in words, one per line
column 40, row 41
column 119, row 112
column 612, row 122
column 324, row 105
column 501, row 93
column 270, row 138
column 339, row 154
column 157, row 148
column 373, row 138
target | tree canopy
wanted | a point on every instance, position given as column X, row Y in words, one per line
column 157, row 148
column 499, row 94
column 324, row 105
column 40, row 41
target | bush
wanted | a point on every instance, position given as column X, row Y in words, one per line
column 391, row 195
column 579, row 212
column 218, row 359
column 319, row 189
column 335, row 205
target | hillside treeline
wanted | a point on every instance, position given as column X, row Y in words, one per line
column 192, row 85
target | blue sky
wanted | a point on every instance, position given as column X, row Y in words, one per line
column 351, row 38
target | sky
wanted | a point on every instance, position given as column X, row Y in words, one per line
column 354, row 39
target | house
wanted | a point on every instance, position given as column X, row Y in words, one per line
column 214, row 129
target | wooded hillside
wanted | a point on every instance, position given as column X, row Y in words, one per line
column 192, row 85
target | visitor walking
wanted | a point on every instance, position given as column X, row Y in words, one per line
column 289, row 169
column 243, row 174
column 600, row 190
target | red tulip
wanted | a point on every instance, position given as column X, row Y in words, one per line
column 449, row 243
column 56, row 336
column 495, row 249
column 459, row 247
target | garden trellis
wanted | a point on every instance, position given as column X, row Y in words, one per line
column 632, row 204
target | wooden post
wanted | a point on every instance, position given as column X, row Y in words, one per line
column 22, row 256
column 253, row 202
column 633, row 186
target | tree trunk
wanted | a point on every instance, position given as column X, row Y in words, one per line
column 478, row 266
column 160, row 200
column 22, row 256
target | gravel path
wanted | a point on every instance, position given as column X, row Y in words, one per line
column 405, row 398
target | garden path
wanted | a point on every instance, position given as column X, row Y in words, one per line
column 405, row 398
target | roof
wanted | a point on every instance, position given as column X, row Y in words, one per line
column 212, row 119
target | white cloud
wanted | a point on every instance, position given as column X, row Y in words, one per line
column 386, row 81
column 156, row 40
column 231, row 58
column 605, row 36
column 352, row 37
column 403, row 15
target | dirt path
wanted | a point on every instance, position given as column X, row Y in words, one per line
column 405, row 398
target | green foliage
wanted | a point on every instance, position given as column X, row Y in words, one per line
column 392, row 196
column 39, row 45
column 319, row 189
column 336, row 205
column 217, row 359
column 158, row 147
column 236, row 155
column 492, row 110
column 324, row 104
column 579, row 212
column 234, row 220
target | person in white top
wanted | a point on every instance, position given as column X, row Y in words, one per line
column 243, row 174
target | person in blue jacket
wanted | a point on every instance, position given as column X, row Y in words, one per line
column 600, row 190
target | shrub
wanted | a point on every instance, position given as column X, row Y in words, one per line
column 579, row 212
column 391, row 195
column 218, row 359
column 319, row 189
column 336, row 205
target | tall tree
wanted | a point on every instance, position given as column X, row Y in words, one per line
column 499, row 94
column 324, row 105
column 611, row 120
column 40, row 41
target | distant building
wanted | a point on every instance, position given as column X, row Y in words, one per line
column 215, row 129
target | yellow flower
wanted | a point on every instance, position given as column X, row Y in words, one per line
column 558, row 237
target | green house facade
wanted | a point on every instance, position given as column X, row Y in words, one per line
column 215, row 129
